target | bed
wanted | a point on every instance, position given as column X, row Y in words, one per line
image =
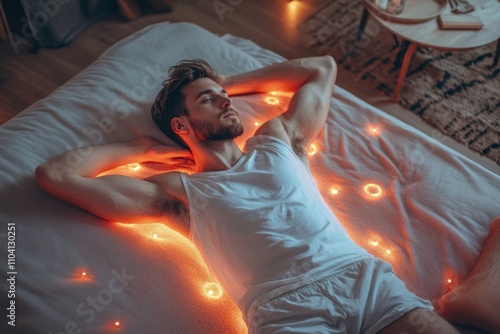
column 402, row 195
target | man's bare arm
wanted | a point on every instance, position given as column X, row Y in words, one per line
column 311, row 80
column 115, row 197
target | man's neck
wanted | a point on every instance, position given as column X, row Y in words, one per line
column 216, row 156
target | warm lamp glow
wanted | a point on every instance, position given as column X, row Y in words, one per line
column 134, row 166
column 272, row 100
column 381, row 247
column 155, row 235
column 312, row 150
column 373, row 190
column 212, row 290
column 82, row 275
column 373, row 130
column 450, row 279
column 257, row 123
column 114, row 326
column 334, row 191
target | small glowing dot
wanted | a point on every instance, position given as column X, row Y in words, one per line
column 273, row 93
column 257, row 123
column 84, row 274
column 272, row 100
column 213, row 290
column 374, row 243
column 388, row 251
column 334, row 191
column 155, row 236
column 117, row 323
column 312, row 150
column 135, row 166
column 373, row 130
column 449, row 280
column 373, row 190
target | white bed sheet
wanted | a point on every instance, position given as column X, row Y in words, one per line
column 429, row 222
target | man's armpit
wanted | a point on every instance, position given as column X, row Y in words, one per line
column 173, row 212
column 298, row 146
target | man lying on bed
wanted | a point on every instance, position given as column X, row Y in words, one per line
column 257, row 216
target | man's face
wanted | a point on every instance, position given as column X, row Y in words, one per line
column 211, row 113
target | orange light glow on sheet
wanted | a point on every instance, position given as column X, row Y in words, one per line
column 373, row 190
column 212, row 290
column 134, row 166
column 450, row 280
column 312, row 150
column 81, row 275
column 191, row 280
column 155, row 235
column 272, row 100
column 380, row 247
column 125, row 224
column 373, row 129
column 114, row 326
column 334, row 191
column 257, row 123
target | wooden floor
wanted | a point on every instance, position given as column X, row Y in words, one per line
column 26, row 78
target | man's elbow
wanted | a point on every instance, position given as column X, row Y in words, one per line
column 329, row 64
column 323, row 66
column 329, row 61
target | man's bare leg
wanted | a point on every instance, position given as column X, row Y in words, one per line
column 420, row 321
column 476, row 302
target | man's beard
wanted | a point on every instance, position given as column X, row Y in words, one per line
column 209, row 133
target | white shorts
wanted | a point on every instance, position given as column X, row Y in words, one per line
column 363, row 298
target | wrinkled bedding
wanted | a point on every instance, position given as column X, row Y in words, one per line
column 402, row 195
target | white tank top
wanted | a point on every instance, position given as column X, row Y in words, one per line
column 262, row 226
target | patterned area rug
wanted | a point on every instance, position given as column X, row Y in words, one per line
column 456, row 92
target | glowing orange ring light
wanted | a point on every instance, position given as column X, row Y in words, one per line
column 134, row 166
column 212, row 290
column 373, row 190
column 312, row 150
column 272, row 100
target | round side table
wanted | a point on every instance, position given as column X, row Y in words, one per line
column 429, row 34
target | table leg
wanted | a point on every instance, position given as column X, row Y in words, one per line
column 362, row 24
column 402, row 51
column 497, row 54
column 402, row 72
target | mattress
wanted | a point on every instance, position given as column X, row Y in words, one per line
column 400, row 194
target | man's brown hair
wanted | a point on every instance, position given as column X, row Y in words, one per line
column 170, row 101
